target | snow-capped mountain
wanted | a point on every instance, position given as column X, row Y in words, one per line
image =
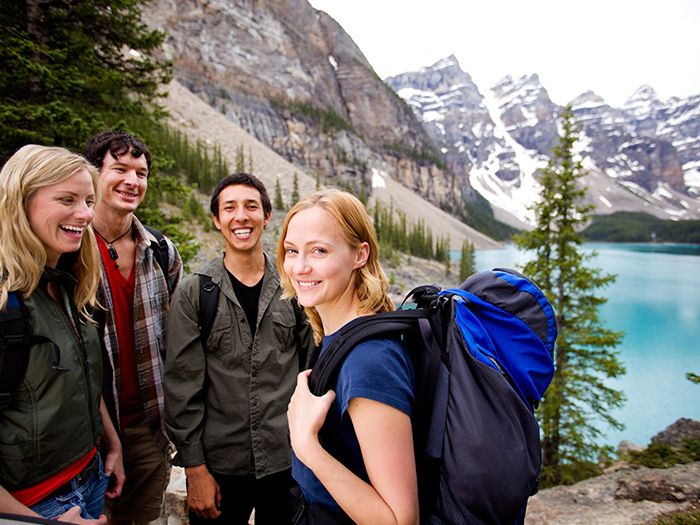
column 644, row 156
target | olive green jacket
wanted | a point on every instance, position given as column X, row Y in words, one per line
column 226, row 403
column 54, row 417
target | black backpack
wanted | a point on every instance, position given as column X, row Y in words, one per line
column 14, row 345
column 482, row 357
column 208, row 302
column 15, row 340
column 160, row 252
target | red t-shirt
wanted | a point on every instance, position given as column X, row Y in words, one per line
column 130, row 405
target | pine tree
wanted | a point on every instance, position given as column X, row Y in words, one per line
column 295, row 188
column 279, row 201
column 362, row 195
column 447, row 257
column 65, row 73
column 578, row 399
column 192, row 210
column 467, row 262
column 240, row 159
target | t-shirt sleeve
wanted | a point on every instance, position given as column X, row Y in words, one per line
column 380, row 370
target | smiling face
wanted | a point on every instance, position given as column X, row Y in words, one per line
column 321, row 263
column 123, row 182
column 241, row 218
column 58, row 214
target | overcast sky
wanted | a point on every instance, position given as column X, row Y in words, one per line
column 609, row 46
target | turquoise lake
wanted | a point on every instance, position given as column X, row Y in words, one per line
column 656, row 301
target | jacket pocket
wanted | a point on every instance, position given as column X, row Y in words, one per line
column 225, row 348
column 283, row 322
column 16, row 464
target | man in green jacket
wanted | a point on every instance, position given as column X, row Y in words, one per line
column 226, row 397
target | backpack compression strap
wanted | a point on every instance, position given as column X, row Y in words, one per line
column 208, row 303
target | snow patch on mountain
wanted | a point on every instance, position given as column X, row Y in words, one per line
column 514, row 196
column 378, row 178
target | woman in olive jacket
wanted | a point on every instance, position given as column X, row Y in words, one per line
column 50, row 431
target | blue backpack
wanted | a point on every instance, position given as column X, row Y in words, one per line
column 483, row 358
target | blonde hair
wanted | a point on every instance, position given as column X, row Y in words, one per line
column 371, row 284
column 22, row 254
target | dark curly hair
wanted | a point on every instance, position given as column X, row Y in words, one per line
column 117, row 142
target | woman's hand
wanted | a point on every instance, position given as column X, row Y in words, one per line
column 113, row 464
column 306, row 414
column 72, row 515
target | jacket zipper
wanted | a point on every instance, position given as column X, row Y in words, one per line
column 85, row 366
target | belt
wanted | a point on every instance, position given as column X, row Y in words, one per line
column 81, row 478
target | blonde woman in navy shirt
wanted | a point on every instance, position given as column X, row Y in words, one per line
column 327, row 258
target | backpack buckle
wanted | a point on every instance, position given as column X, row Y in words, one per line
column 11, row 340
column 423, row 295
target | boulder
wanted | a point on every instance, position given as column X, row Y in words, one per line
column 628, row 446
column 628, row 496
column 678, row 484
column 674, row 434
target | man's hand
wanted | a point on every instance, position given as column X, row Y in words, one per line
column 203, row 494
column 72, row 515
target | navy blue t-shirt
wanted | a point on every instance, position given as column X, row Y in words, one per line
column 377, row 369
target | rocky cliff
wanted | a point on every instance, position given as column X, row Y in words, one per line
column 293, row 78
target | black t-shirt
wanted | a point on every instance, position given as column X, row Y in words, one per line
column 248, row 296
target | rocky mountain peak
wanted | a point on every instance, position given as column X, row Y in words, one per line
column 588, row 99
column 527, row 112
column 643, row 92
column 447, row 63
column 443, row 76
column 523, row 85
column 643, row 103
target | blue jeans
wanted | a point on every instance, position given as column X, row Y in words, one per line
column 90, row 497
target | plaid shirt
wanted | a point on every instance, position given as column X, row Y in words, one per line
column 151, row 301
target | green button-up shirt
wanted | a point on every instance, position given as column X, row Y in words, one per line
column 226, row 401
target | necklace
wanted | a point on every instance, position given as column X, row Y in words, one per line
column 110, row 249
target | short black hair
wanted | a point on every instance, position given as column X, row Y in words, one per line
column 117, row 142
column 246, row 180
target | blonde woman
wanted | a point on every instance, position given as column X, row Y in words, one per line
column 50, row 431
column 327, row 258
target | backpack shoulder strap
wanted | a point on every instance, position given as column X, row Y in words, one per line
column 326, row 365
column 160, row 249
column 14, row 355
column 325, row 370
column 208, row 303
